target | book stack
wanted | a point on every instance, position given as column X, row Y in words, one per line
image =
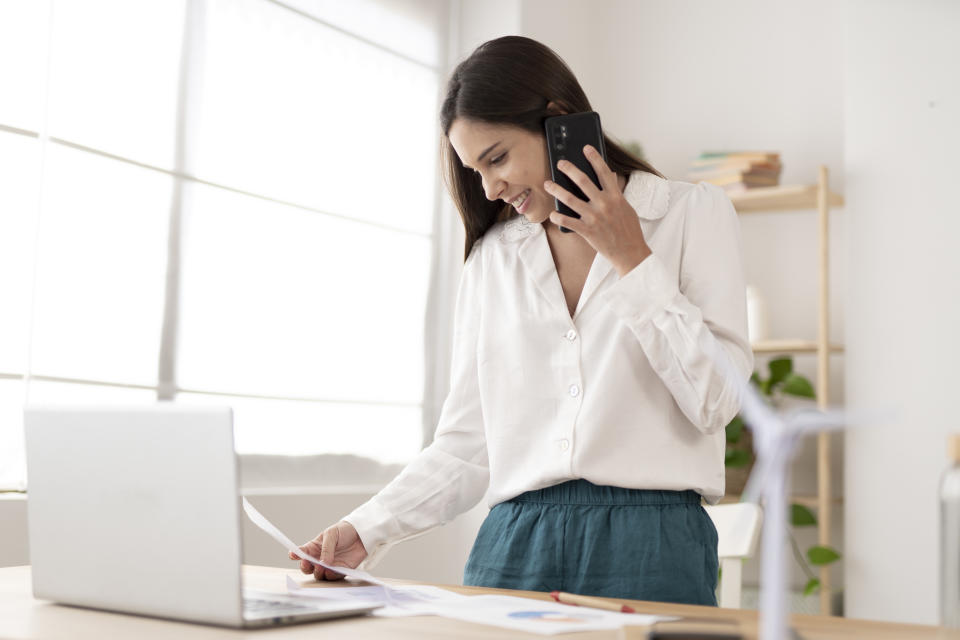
column 737, row 171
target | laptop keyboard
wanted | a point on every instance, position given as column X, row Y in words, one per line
column 264, row 606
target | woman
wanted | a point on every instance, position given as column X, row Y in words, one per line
column 591, row 376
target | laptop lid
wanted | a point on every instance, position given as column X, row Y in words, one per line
column 135, row 509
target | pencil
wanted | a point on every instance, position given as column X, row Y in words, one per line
column 587, row 601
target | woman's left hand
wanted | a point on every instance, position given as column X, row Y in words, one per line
column 607, row 221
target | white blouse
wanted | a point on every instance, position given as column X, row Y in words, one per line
column 629, row 392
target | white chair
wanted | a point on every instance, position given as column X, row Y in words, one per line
column 738, row 527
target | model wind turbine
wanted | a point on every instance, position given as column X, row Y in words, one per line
column 775, row 440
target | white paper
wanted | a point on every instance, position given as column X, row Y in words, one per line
column 404, row 601
column 270, row 529
column 523, row 614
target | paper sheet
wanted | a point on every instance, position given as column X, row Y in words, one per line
column 405, row 601
column 524, row 614
column 270, row 529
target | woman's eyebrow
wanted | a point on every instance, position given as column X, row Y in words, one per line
column 485, row 152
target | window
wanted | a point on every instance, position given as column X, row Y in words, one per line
column 226, row 202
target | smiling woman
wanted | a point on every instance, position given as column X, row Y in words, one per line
column 593, row 372
column 504, row 90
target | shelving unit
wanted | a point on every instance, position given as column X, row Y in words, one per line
column 792, row 198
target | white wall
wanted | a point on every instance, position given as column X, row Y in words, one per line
column 13, row 530
column 686, row 76
column 902, row 137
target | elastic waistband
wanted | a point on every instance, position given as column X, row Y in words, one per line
column 584, row 492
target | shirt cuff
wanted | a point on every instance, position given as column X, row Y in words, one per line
column 377, row 529
column 643, row 292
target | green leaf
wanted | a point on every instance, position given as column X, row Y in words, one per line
column 812, row 586
column 755, row 378
column 780, row 368
column 735, row 430
column 737, row 458
column 797, row 385
column 822, row 555
column 766, row 386
column 800, row 516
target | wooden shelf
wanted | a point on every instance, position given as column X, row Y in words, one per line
column 791, row 346
column 798, row 198
column 813, row 501
column 781, row 198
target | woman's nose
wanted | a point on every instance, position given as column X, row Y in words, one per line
column 492, row 188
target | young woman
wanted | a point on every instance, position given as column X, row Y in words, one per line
column 591, row 376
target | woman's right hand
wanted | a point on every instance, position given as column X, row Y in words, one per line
column 338, row 545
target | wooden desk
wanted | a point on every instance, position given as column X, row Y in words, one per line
column 23, row 617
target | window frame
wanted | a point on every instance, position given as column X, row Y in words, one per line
column 445, row 236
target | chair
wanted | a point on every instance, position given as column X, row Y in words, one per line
column 738, row 527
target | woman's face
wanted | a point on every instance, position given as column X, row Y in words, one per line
column 511, row 162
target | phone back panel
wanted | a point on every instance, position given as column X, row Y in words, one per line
column 566, row 137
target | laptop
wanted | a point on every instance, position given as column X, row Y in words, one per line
column 137, row 510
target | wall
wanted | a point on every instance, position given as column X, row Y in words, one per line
column 686, row 76
column 13, row 530
column 902, row 135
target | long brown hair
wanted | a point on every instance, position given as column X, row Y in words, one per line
column 510, row 80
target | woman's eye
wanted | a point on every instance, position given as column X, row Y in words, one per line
column 498, row 159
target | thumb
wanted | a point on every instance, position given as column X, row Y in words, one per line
column 328, row 546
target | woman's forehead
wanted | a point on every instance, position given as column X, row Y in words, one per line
column 470, row 138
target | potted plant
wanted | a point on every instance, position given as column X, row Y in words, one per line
column 781, row 381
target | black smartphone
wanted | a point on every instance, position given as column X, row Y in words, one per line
column 566, row 137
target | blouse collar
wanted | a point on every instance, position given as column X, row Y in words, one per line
column 649, row 195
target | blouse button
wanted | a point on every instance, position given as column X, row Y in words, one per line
column 571, row 335
column 564, row 444
column 574, row 391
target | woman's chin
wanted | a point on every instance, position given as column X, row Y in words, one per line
column 536, row 217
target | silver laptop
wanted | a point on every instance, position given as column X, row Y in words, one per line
column 137, row 509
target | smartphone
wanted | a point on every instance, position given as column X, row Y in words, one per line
column 566, row 137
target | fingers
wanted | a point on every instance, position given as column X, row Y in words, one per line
column 580, row 179
column 312, row 548
column 566, row 197
column 607, row 178
column 328, row 545
column 324, row 548
column 561, row 220
column 328, row 552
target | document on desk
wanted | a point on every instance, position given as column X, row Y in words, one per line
column 524, row 614
column 271, row 530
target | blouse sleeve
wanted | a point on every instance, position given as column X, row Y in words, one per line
column 451, row 475
column 694, row 332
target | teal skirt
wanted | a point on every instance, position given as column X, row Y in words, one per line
column 595, row 540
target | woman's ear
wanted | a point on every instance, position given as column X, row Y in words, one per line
column 557, row 108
